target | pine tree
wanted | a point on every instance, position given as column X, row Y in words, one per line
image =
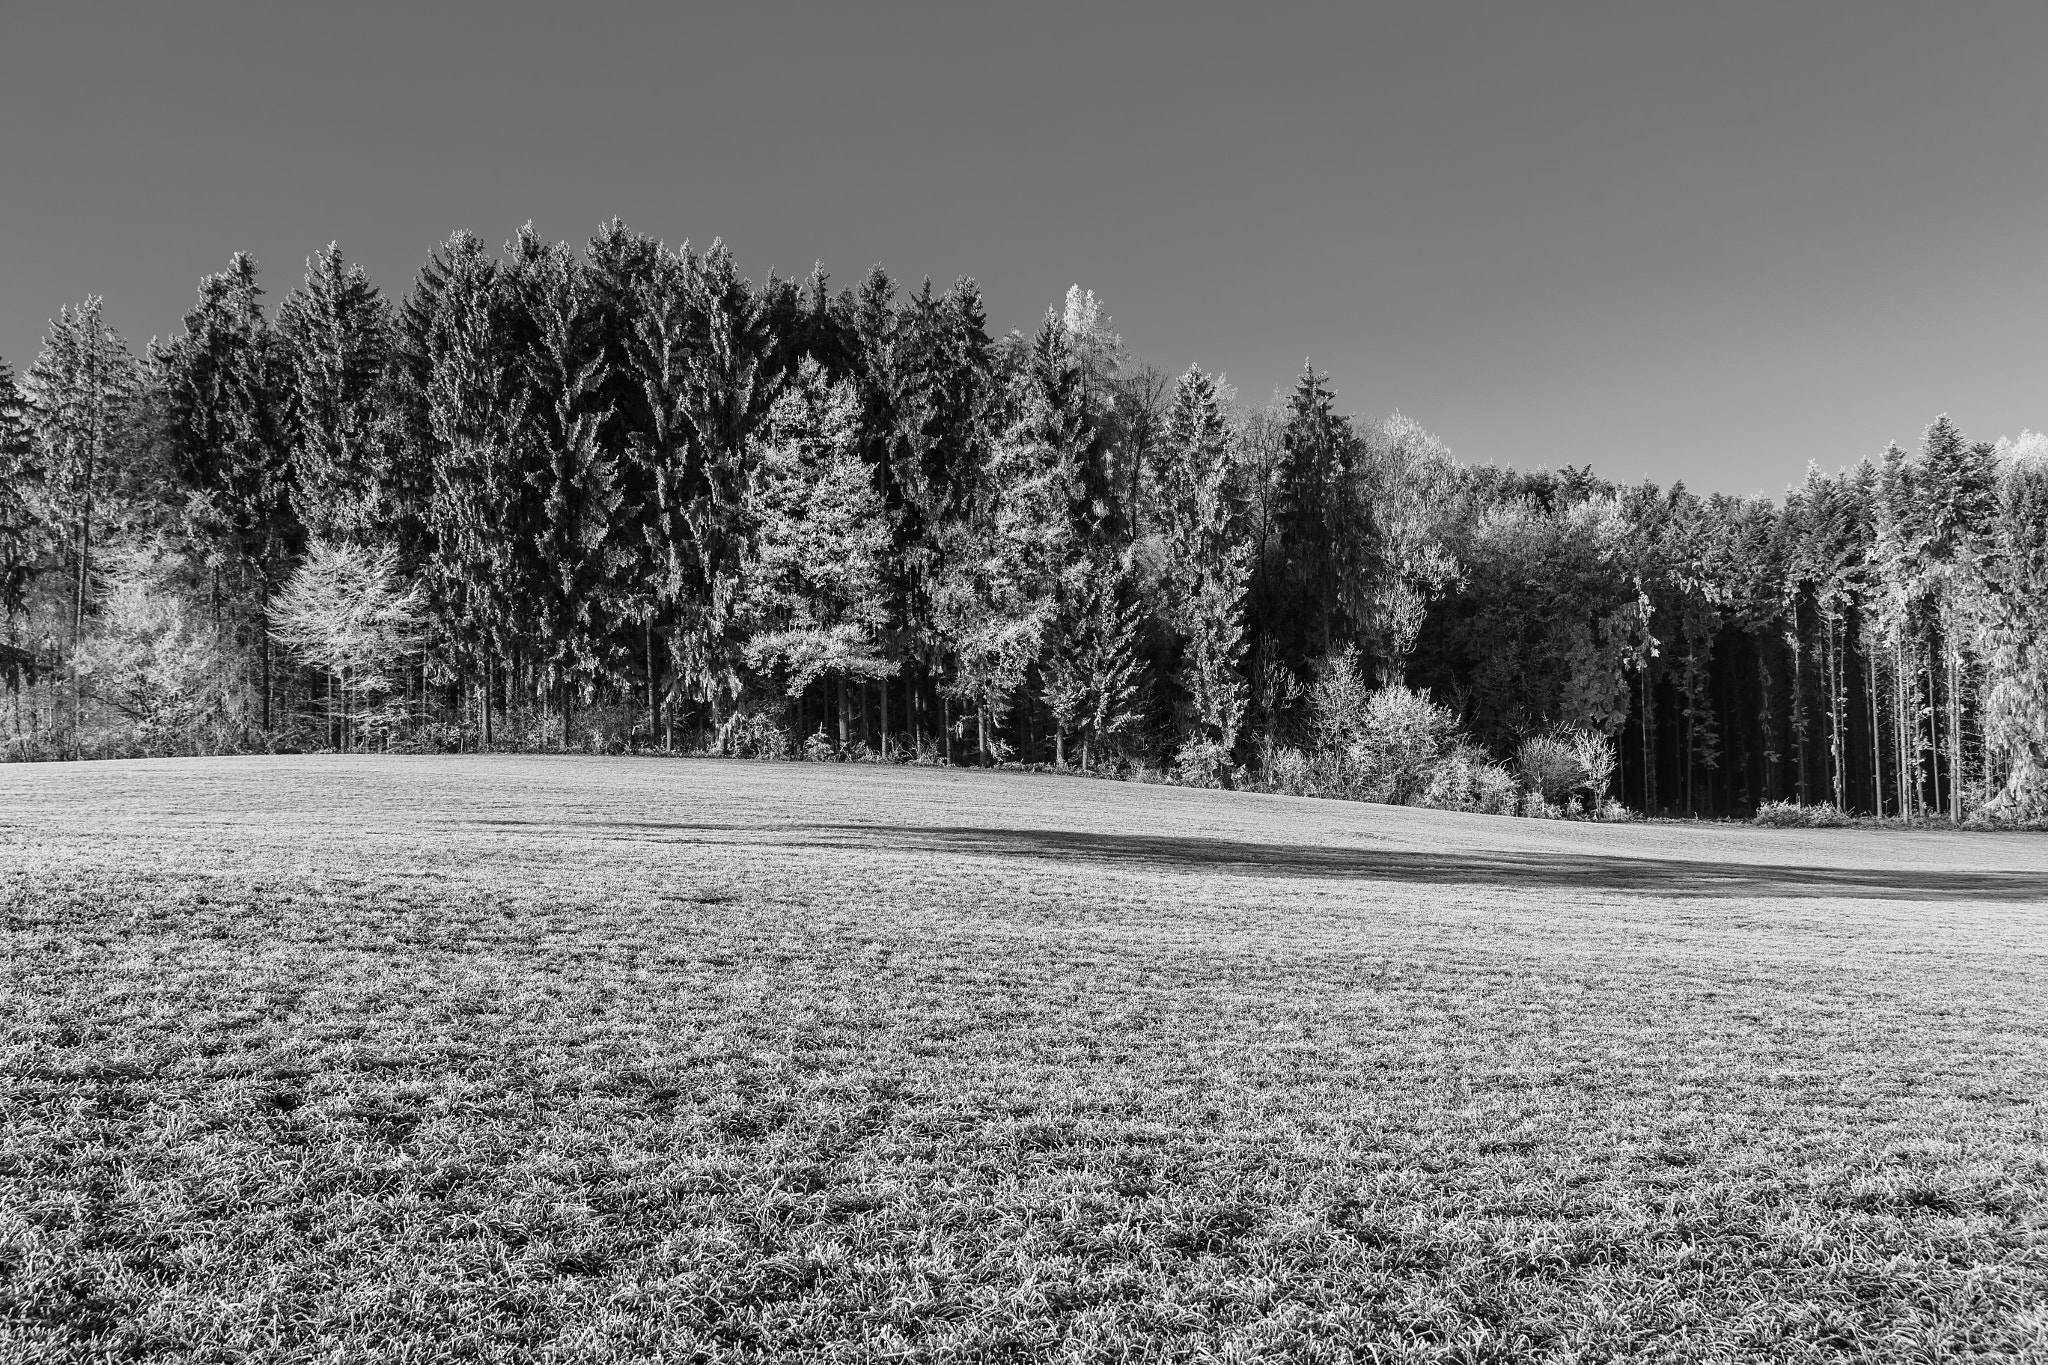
column 1316, row 524
column 336, row 333
column 1207, row 561
column 814, row 596
column 20, row 535
column 81, row 399
column 1092, row 685
column 557, row 383
column 458, row 369
column 725, row 395
column 227, row 392
column 644, row 298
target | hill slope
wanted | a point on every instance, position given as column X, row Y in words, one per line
column 614, row 1058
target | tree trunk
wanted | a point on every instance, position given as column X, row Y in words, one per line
column 842, row 712
column 1870, row 686
column 1934, row 798
column 1955, row 735
column 653, row 680
column 883, row 747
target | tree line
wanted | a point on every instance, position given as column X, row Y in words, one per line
column 624, row 497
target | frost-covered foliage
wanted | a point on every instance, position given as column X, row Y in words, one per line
column 1792, row 815
column 640, row 495
column 346, row 613
column 1396, row 745
column 154, row 662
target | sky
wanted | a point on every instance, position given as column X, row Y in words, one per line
column 1709, row 242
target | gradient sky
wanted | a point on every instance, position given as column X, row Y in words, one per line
column 1702, row 241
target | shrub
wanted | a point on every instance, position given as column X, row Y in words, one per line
column 1569, row 768
column 1205, row 763
column 751, row 734
column 1291, row 772
column 1549, row 768
column 1792, row 815
column 1405, row 737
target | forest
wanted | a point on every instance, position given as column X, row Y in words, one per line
column 623, row 498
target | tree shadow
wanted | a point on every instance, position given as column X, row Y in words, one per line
column 1561, row 871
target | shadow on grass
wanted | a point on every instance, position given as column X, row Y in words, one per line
column 1658, row 876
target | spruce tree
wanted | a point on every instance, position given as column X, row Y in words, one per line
column 227, row 398
column 81, row 398
column 336, row 333
column 559, row 387
column 458, row 366
column 726, row 391
column 1207, row 562
column 814, row 592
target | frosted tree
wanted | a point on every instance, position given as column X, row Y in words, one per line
column 225, row 392
column 557, row 382
column 80, row 397
column 2015, row 619
column 1093, row 682
column 336, row 336
column 152, row 660
column 477, row 514
column 347, row 613
column 813, row 597
column 1207, row 561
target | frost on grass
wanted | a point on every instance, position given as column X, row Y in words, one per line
column 609, row 1061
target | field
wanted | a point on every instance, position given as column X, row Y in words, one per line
column 585, row 1059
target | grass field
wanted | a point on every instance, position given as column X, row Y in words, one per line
column 584, row 1059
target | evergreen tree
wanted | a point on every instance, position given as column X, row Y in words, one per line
column 81, row 398
column 1315, row 527
column 1092, row 685
column 477, row 518
column 814, row 593
column 557, row 385
column 1207, row 561
column 725, row 394
column 336, row 333
column 20, row 535
column 226, row 419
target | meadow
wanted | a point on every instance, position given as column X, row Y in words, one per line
column 524, row 1059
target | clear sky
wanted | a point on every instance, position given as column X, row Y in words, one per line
column 1709, row 241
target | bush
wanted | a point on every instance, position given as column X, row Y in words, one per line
column 1568, row 768
column 1549, row 768
column 750, row 734
column 1467, row 779
column 1386, row 744
column 1792, row 815
column 1205, row 763
column 1290, row 771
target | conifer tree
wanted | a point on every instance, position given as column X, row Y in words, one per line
column 726, row 392
column 1315, row 525
column 814, row 595
column 227, row 394
column 81, row 399
column 1092, row 684
column 20, row 535
column 645, row 300
column 1207, row 560
column 477, row 517
column 558, row 384
column 336, row 335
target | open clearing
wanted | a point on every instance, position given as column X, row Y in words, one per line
column 532, row 1058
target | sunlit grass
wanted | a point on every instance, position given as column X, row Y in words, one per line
column 532, row 1059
